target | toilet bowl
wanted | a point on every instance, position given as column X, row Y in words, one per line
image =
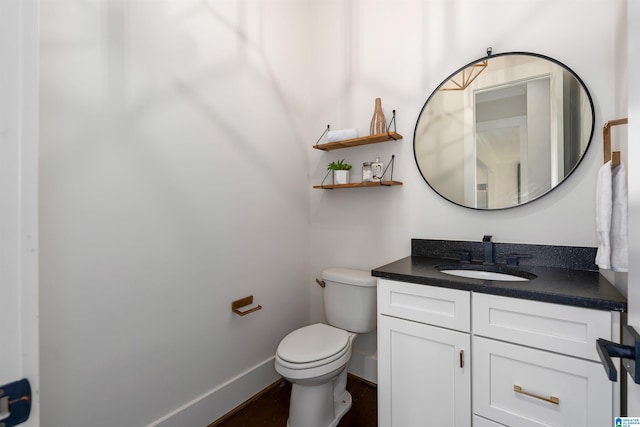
column 314, row 358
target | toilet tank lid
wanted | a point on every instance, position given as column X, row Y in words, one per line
column 349, row 276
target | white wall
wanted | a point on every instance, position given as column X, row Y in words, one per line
column 19, row 198
column 400, row 51
column 163, row 123
column 632, row 48
column 173, row 181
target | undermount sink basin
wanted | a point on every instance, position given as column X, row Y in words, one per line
column 485, row 272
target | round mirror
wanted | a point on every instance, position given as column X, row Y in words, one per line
column 503, row 130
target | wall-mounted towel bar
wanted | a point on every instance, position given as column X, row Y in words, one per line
column 606, row 141
column 243, row 302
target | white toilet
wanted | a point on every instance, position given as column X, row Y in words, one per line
column 314, row 358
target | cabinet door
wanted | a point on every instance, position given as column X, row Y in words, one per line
column 424, row 375
column 483, row 422
column 525, row 387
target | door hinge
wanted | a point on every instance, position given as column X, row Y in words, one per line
column 15, row 403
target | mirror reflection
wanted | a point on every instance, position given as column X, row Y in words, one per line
column 503, row 131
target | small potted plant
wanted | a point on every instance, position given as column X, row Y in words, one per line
column 340, row 171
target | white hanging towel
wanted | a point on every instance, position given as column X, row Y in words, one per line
column 611, row 218
column 618, row 236
column 604, row 208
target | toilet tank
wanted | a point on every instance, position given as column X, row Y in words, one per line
column 350, row 299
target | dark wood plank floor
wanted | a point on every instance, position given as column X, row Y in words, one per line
column 270, row 408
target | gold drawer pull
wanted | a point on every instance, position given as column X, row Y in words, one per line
column 243, row 302
column 550, row 399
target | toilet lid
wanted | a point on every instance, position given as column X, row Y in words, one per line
column 312, row 343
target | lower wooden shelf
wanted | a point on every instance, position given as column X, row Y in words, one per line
column 358, row 184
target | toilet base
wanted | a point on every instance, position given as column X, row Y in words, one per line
column 340, row 407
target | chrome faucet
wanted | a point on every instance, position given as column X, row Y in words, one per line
column 488, row 250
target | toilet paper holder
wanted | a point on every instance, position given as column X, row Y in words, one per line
column 243, row 302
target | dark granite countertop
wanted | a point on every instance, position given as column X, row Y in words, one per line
column 581, row 287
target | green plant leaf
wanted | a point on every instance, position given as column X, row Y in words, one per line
column 339, row 165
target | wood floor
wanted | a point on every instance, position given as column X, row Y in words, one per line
column 270, row 408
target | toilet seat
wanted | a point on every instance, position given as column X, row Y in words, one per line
column 312, row 346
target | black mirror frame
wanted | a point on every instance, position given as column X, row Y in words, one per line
column 488, row 57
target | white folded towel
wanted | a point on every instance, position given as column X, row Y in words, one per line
column 619, row 244
column 341, row 135
column 604, row 207
column 611, row 218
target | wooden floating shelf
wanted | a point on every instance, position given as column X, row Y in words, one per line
column 359, row 184
column 363, row 140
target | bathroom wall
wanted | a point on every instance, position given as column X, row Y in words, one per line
column 173, row 181
column 400, row 51
column 631, row 98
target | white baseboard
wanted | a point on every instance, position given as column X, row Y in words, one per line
column 364, row 366
column 212, row 405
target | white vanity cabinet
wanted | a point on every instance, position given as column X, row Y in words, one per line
column 424, row 372
column 522, row 363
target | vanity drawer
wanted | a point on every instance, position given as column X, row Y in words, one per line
column 560, row 328
column 448, row 308
column 519, row 386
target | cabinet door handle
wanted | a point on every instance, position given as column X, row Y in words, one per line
column 550, row 399
column 462, row 358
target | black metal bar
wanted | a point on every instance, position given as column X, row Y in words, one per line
column 323, row 134
column 393, row 120
column 393, row 156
